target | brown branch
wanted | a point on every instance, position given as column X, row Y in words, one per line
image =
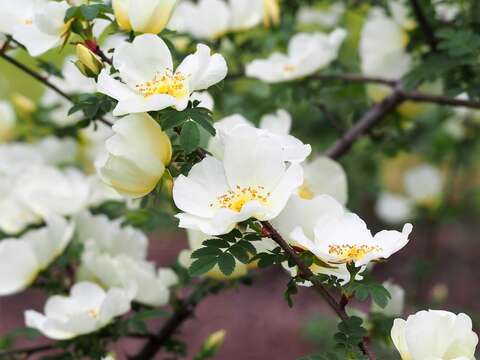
column 42, row 79
column 425, row 25
column 369, row 119
column 418, row 96
column 305, row 272
column 356, row 78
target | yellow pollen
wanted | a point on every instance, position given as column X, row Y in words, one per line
column 28, row 21
column 236, row 199
column 289, row 68
column 92, row 313
column 349, row 253
column 168, row 83
column 305, row 193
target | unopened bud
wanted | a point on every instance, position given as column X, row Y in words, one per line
column 215, row 340
column 271, row 13
column 92, row 64
column 23, row 104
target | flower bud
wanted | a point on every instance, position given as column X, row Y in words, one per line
column 23, row 104
column 7, row 121
column 90, row 62
column 150, row 17
column 271, row 13
column 137, row 156
column 214, row 341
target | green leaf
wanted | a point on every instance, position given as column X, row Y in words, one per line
column 203, row 119
column 190, row 137
column 226, row 263
column 206, row 251
column 171, row 118
column 248, row 246
column 219, row 243
column 240, row 253
column 202, row 265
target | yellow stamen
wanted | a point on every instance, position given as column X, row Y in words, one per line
column 236, row 199
column 349, row 253
column 168, row 83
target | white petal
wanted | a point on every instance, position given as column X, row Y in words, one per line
column 18, row 266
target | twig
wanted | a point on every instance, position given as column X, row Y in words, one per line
column 425, row 25
column 27, row 350
column 418, row 96
column 356, row 78
column 184, row 311
column 330, row 117
column 307, row 274
column 369, row 119
column 43, row 80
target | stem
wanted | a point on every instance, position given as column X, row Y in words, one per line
column 27, row 351
column 184, row 311
column 42, row 79
column 356, row 78
column 425, row 25
column 307, row 274
column 369, row 119
column 418, row 96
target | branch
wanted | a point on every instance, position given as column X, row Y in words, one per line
column 307, row 274
column 369, row 119
column 184, row 311
column 26, row 351
column 425, row 25
column 418, row 96
column 42, row 79
column 355, row 78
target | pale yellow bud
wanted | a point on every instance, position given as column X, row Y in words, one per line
column 215, row 340
column 271, row 13
column 152, row 17
column 88, row 59
column 23, row 104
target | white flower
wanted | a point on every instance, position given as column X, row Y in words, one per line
column 22, row 259
column 145, row 16
column 57, row 151
column 205, row 99
column 383, row 44
column 137, row 156
column 327, row 17
column 446, row 11
column 251, row 181
column 423, row 184
column 86, row 310
column 335, row 235
column 14, row 13
column 93, row 140
column 395, row 303
column 8, row 121
column 215, row 18
column 393, row 208
column 123, row 271
column 44, row 29
column 47, row 190
column 307, row 53
column 73, row 82
column 436, row 335
column 149, row 82
column 105, row 235
column 324, row 176
column 274, row 128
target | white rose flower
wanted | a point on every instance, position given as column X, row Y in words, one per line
column 252, row 180
column 123, row 271
column 395, row 303
column 324, row 176
column 145, row 16
column 215, row 18
column 44, row 29
column 335, row 235
column 274, row 128
column 393, row 208
column 307, row 53
column 446, row 11
column 8, row 120
column 86, row 310
column 436, row 335
column 22, row 259
column 14, row 13
column 137, row 156
column 149, row 82
column 57, row 151
column 110, row 236
column 327, row 17
column 423, row 184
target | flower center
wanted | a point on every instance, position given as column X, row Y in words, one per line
column 305, row 192
column 349, row 253
column 236, row 199
column 93, row 313
column 168, row 83
column 288, row 68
